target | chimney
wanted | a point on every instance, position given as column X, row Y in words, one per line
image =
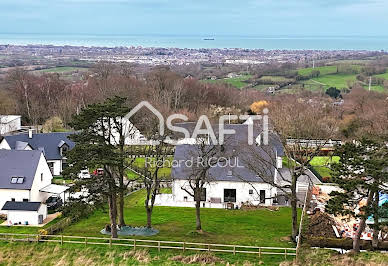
column 30, row 133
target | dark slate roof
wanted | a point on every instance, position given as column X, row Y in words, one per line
column 14, row 163
column 21, row 206
column 307, row 177
column 46, row 142
column 241, row 135
column 233, row 149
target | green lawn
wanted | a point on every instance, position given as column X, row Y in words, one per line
column 384, row 75
column 254, row 227
column 140, row 162
column 238, row 82
column 62, row 69
column 324, row 70
column 257, row 227
column 275, row 78
column 322, row 164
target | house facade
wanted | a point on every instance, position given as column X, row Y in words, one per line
column 25, row 185
column 53, row 145
column 234, row 183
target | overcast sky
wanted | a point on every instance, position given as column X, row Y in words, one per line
column 196, row 17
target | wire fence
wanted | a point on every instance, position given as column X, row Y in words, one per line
column 151, row 244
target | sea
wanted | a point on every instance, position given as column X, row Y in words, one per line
column 370, row 43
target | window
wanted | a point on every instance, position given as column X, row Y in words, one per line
column 13, row 199
column 262, row 196
column 203, row 194
column 17, row 180
column 185, row 198
column 41, row 177
column 229, row 195
column 25, row 200
column 230, row 173
column 250, row 191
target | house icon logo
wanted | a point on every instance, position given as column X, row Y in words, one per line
column 152, row 109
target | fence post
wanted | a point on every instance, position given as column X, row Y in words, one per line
column 208, row 247
column 62, row 240
column 159, row 246
column 86, row 241
column 285, row 253
column 259, row 252
column 184, row 246
column 110, row 241
column 134, row 244
column 234, row 250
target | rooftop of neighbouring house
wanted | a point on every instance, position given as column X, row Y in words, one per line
column 21, row 206
column 18, row 168
column 49, row 143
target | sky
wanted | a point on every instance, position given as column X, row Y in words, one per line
column 196, row 17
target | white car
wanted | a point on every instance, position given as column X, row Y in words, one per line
column 84, row 174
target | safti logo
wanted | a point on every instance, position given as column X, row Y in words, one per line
column 203, row 126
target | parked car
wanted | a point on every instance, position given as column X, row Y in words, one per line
column 84, row 174
column 53, row 203
column 98, row 171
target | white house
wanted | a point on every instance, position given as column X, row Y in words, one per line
column 25, row 213
column 232, row 182
column 9, row 123
column 53, row 146
column 25, row 178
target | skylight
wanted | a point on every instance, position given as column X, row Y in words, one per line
column 17, row 180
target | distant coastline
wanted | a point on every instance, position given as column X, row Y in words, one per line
column 198, row 42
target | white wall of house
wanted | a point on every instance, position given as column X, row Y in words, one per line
column 34, row 194
column 9, row 123
column 4, row 145
column 57, row 166
column 43, row 178
column 32, row 217
column 244, row 193
column 9, row 194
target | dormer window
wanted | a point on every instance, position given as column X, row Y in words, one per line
column 63, row 147
column 17, row 180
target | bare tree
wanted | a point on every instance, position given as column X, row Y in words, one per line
column 202, row 155
column 302, row 131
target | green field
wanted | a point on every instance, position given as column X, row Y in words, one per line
column 384, row 76
column 256, row 227
column 63, row 69
column 238, row 82
column 275, row 78
column 164, row 172
column 324, row 70
column 322, row 164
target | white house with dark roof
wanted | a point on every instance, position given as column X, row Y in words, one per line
column 234, row 182
column 25, row 178
column 53, row 146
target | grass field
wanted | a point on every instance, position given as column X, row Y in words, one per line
column 165, row 171
column 275, row 78
column 238, row 82
column 324, row 70
column 322, row 164
column 62, row 69
column 384, row 76
column 78, row 254
column 257, row 227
